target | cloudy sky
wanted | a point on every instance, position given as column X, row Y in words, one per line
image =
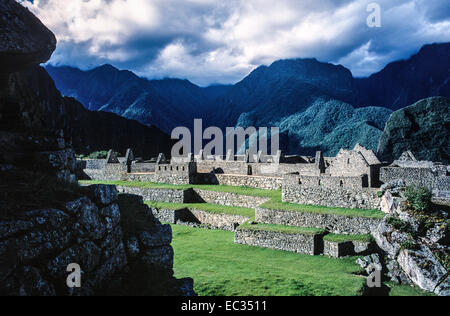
column 221, row 41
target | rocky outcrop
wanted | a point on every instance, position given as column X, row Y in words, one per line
column 37, row 250
column 24, row 40
column 422, row 128
column 415, row 245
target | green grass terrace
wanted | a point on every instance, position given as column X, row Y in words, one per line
column 206, row 207
column 222, row 268
column 216, row 188
column 275, row 202
column 290, row 230
column 346, row 238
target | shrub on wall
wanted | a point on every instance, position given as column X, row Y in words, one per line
column 419, row 198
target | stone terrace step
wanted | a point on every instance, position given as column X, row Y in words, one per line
column 195, row 196
column 159, row 195
column 294, row 239
column 226, row 218
column 230, row 199
column 338, row 246
column 334, row 223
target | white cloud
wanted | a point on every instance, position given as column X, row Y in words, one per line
column 221, row 41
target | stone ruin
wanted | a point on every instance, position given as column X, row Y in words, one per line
column 352, row 179
column 432, row 175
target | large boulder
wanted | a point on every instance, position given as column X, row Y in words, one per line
column 414, row 245
column 423, row 269
column 24, row 40
column 423, row 128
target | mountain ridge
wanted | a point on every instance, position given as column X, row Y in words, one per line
column 276, row 94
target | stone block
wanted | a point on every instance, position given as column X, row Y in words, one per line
column 299, row 243
column 104, row 194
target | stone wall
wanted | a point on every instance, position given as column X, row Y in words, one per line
column 307, row 169
column 326, row 181
column 298, row 243
column 176, row 173
column 365, row 198
column 435, row 178
column 171, row 216
column 142, row 167
column 219, row 221
column 87, row 231
column 256, row 169
column 115, row 171
column 336, row 224
column 93, row 163
column 267, row 183
column 348, row 248
column 349, row 163
column 193, row 216
column 225, row 167
column 159, row 195
column 141, row 177
column 338, row 249
column 230, row 199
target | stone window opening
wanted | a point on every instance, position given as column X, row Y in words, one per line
column 300, row 181
column 320, row 182
column 341, row 183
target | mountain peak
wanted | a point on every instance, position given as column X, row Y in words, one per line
column 434, row 47
column 106, row 67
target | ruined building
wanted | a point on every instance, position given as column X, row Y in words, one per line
column 352, row 179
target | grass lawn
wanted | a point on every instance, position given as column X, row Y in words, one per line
column 283, row 229
column 217, row 188
column 345, row 238
column 212, row 208
column 221, row 268
column 406, row 290
column 277, row 204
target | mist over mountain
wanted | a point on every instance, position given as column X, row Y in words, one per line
column 318, row 106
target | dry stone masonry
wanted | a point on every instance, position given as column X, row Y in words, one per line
column 336, row 224
column 352, row 179
column 302, row 243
